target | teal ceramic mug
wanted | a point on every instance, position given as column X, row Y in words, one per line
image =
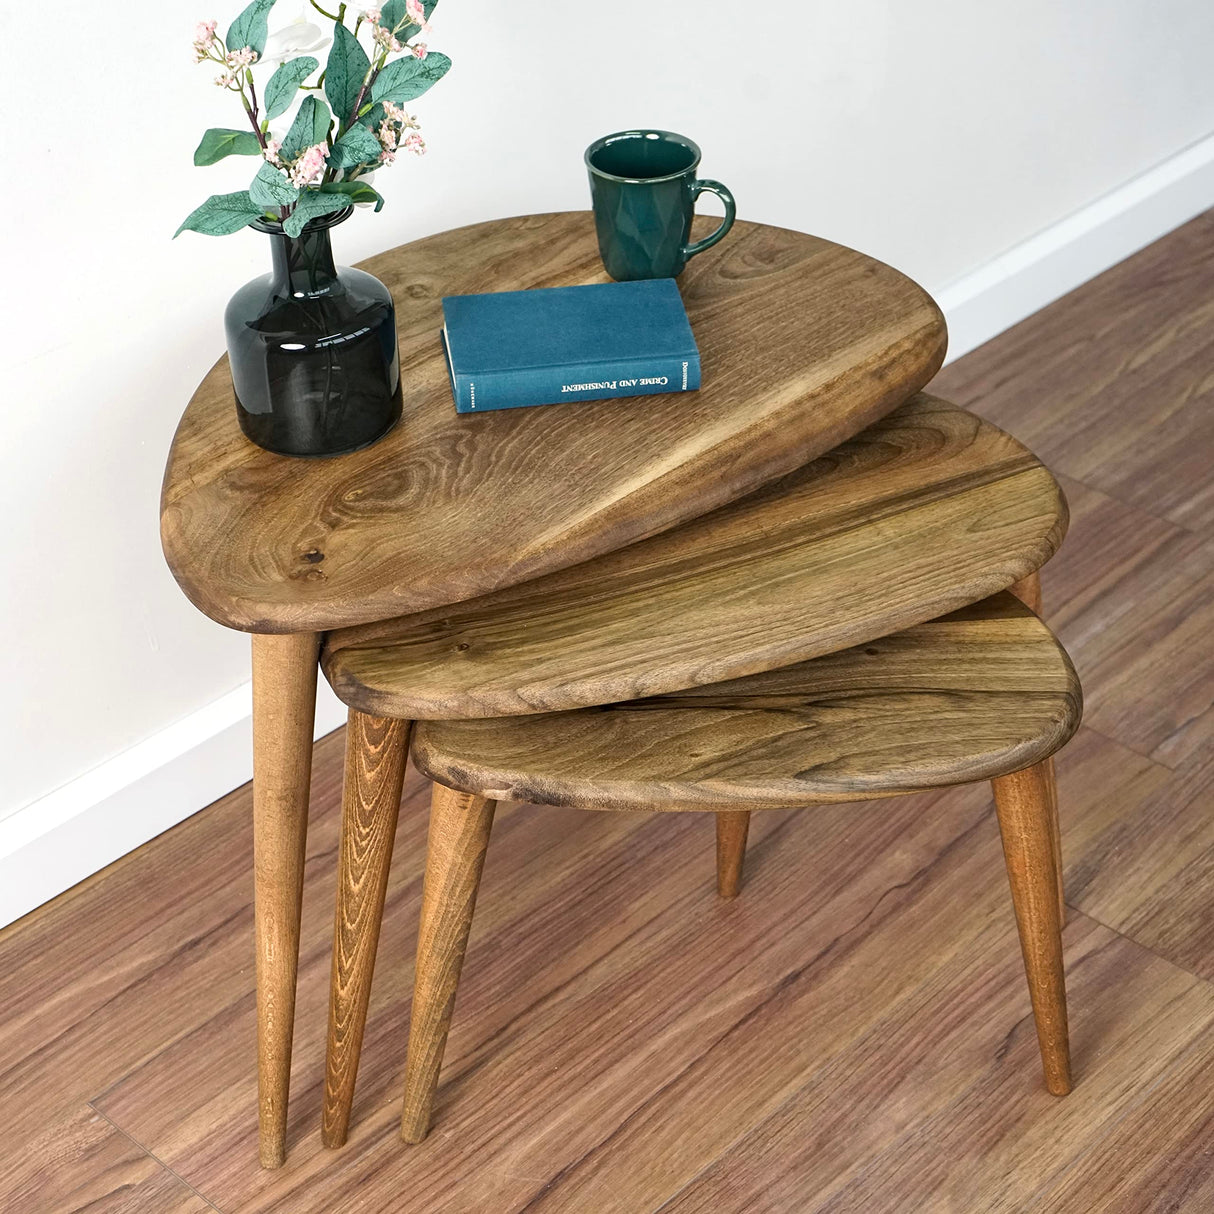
column 643, row 186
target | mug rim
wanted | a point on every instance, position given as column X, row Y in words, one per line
column 642, row 133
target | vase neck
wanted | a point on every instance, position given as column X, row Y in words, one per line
column 303, row 264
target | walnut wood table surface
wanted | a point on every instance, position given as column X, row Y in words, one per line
column 998, row 688
column 925, row 511
column 803, row 343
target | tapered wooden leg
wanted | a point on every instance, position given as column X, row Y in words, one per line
column 732, row 826
column 1022, row 802
column 284, row 708
column 1051, row 785
column 1028, row 591
column 376, row 748
column 459, row 835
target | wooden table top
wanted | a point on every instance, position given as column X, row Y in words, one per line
column 925, row 511
column 803, row 344
column 979, row 693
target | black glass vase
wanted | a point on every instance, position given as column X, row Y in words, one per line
column 313, row 349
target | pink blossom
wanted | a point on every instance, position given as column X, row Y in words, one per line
column 414, row 143
column 241, row 58
column 387, row 136
column 398, row 115
column 271, row 151
column 226, row 80
column 416, row 14
column 419, row 50
column 387, row 39
column 387, row 156
column 204, row 38
column 309, row 169
column 372, row 14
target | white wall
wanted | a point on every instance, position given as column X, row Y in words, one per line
column 935, row 135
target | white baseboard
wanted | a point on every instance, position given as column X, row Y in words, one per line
column 1046, row 266
column 49, row 845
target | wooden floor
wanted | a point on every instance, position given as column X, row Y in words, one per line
column 851, row 1034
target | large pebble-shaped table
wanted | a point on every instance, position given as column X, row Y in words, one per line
column 803, row 344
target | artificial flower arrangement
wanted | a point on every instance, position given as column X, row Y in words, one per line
column 350, row 122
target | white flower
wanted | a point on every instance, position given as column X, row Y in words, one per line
column 300, row 37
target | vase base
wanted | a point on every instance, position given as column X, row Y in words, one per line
column 360, row 446
column 307, row 444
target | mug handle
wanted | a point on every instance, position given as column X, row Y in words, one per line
column 704, row 185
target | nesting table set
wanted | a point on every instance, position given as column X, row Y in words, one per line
column 808, row 582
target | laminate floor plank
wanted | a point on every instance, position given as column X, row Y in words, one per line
column 101, row 979
column 84, row 1163
column 826, row 1004
column 1133, row 603
column 1145, row 865
column 997, row 1143
column 1127, row 1171
column 528, row 1095
column 1114, row 383
column 970, row 1133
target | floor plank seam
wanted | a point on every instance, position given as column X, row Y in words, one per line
column 1135, row 507
column 159, row 1162
column 1150, row 758
column 1146, row 948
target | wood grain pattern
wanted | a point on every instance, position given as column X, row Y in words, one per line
column 803, row 344
column 732, row 829
column 84, row 1163
column 924, row 1110
column 1028, row 591
column 455, row 855
column 376, row 750
column 803, row 567
column 975, row 694
column 284, row 705
column 1024, row 801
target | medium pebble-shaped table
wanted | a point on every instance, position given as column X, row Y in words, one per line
column 803, row 343
column 927, row 510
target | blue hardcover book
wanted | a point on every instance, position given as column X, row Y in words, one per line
column 539, row 347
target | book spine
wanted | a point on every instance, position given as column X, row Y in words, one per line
column 584, row 381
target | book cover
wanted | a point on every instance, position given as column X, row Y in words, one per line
column 510, row 349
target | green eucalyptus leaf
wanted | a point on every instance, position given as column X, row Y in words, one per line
column 311, row 204
column 270, row 188
column 355, row 191
column 218, row 143
column 251, row 28
column 404, row 79
column 284, row 84
column 310, row 127
column 221, row 215
column 391, row 14
column 345, row 72
column 357, row 146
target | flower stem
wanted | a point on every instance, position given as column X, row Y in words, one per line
column 251, row 110
column 321, row 11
